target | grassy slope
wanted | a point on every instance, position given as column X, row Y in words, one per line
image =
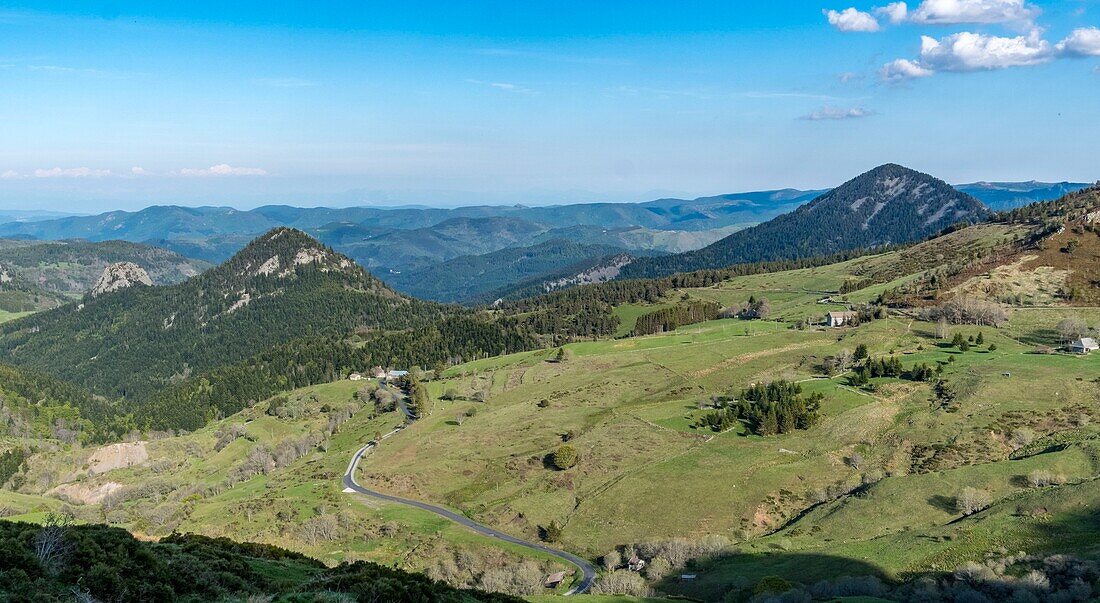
column 6, row 316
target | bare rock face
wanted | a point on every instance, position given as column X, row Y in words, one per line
column 120, row 276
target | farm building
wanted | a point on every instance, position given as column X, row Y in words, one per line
column 1084, row 345
column 355, row 377
column 839, row 319
column 635, row 564
column 377, row 372
column 396, row 374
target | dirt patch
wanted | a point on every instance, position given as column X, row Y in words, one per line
column 83, row 494
column 1018, row 282
column 515, row 379
column 743, row 358
column 118, row 456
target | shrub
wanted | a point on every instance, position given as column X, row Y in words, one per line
column 552, row 532
column 565, row 457
column 771, row 584
column 621, row 582
column 1020, row 437
column 972, row 500
column 612, row 560
column 1041, row 478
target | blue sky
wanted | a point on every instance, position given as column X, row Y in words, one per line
column 127, row 104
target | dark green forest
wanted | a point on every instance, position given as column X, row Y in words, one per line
column 863, row 212
column 62, row 562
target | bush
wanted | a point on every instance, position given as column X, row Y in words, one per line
column 565, row 457
column 972, row 500
column 552, row 532
column 621, row 582
column 771, row 584
column 1041, row 478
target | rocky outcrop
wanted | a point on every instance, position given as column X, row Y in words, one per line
column 119, row 276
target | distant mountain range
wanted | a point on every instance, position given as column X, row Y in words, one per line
column 1010, row 195
column 70, row 268
column 215, row 233
column 409, row 246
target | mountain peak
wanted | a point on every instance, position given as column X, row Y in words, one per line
column 886, row 205
column 120, row 275
column 891, row 193
column 281, row 251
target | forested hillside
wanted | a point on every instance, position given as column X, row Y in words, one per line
column 71, row 267
column 283, row 286
column 34, row 405
column 470, row 277
column 890, row 204
column 65, row 562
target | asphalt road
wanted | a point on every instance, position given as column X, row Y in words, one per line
column 589, row 571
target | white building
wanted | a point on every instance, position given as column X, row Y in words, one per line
column 839, row 319
column 1084, row 345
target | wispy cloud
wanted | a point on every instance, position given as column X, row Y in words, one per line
column 284, row 82
column 77, row 172
column 140, row 171
column 551, row 57
column 10, row 175
column 662, row 92
column 65, row 70
column 830, row 113
column 848, row 77
column 809, row 95
column 506, row 86
column 223, row 169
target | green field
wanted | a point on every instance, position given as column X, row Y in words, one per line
column 6, row 316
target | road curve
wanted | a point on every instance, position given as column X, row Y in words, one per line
column 588, row 570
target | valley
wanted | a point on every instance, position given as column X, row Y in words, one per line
column 871, row 486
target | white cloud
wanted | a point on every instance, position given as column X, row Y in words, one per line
column 78, row 172
column 851, row 19
column 9, row 175
column 223, row 169
column 968, row 51
column 139, row 171
column 1082, row 42
column 895, row 12
column 837, row 113
column 903, row 69
column 947, row 12
column 848, row 77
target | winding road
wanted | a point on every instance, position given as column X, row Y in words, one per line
column 588, row 570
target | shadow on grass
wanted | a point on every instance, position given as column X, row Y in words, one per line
column 943, row 503
column 1040, row 337
column 735, row 571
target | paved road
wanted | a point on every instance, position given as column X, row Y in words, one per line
column 589, row 571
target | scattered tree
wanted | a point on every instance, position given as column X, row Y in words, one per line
column 972, row 500
column 565, row 457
